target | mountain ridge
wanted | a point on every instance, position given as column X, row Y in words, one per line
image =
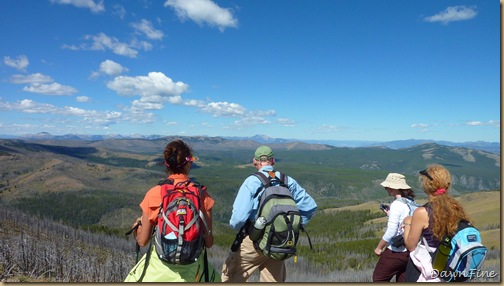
column 493, row 147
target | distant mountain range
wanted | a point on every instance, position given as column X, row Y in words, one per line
column 493, row 147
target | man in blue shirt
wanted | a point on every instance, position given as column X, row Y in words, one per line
column 241, row 264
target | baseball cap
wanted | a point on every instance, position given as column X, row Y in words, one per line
column 263, row 151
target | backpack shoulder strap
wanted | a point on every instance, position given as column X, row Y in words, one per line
column 265, row 182
column 284, row 179
column 165, row 182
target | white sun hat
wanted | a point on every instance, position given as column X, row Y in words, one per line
column 395, row 181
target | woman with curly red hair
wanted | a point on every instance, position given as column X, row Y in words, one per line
column 431, row 222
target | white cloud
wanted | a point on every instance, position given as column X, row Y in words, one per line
column 286, row 122
column 422, row 128
column 91, row 116
column 119, row 11
column 102, row 42
column 50, row 89
column 146, row 105
column 253, row 120
column 82, row 99
column 247, row 122
column 155, row 83
column 454, row 13
column 28, row 106
column 224, row 109
column 480, row 123
column 194, row 102
column 203, row 11
column 39, row 83
column 145, row 27
column 19, row 63
column 112, row 68
column 89, row 4
column 32, row 78
column 153, row 89
column 327, row 128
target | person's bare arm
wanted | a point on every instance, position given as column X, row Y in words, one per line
column 413, row 227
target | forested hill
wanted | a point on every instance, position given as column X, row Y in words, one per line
column 120, row 171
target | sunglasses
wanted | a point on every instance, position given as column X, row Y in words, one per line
column 192, row 159
column 424, row 173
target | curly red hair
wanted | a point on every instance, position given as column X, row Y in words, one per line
column 446, row 211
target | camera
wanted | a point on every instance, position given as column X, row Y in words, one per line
column 397, row 241
column 384, row 207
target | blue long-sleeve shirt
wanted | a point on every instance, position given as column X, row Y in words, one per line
column 245, row 205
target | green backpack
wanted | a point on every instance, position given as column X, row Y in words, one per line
column 282, row 219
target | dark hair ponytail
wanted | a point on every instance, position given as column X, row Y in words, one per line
column 175, row 155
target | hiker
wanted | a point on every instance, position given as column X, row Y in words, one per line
column 240, row 264
column 178, row 159
column 393, row 254
column 431, row 222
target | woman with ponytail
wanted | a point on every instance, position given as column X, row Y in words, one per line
column 178, row 159
column 431, row 222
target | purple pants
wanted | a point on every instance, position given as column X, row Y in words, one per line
column 390, row 264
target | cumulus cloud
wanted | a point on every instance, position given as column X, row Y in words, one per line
column 95, row 7
column 39, row 83
column 453, row 13
column 28, row 106
column 286, row 122
column 82, row 99
column 224, row 109
column 155, row 83
column 119, row 11
column 50, row 89
column 153, row 89
column 109, row 68
column 203, row 11
column 90, row 116
column 480, row 123
column 145, row 27
column 19, row 63
column 327, row 128
column 247, row 122
column 102, row 42
column 32, row 78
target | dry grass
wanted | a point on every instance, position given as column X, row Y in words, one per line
column 484, row 207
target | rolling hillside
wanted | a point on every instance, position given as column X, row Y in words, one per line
column 123, row 169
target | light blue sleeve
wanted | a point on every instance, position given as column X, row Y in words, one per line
column 306, row 204
column 243, row 205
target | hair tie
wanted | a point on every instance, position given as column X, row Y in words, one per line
column 439, row 192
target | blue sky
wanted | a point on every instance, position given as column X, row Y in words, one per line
column 325, row 69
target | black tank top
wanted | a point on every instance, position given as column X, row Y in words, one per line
column 427, row 233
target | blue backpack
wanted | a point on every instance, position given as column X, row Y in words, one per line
column 412, row 205
column 466, row 256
